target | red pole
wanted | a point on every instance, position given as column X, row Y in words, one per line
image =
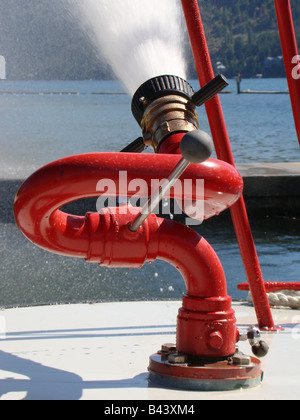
column 290, row 55
column 274, row 286
column 224, row 152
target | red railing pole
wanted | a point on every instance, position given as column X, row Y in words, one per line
column 290, row 55
column 274, row 286
column 223, row 149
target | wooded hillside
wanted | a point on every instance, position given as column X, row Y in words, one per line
column 243, row 33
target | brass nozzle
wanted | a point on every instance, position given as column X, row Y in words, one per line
column 162, row 106
column 166, row 116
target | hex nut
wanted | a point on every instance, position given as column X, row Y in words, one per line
column 241, row 359
column 168, row 348
column 177, row 358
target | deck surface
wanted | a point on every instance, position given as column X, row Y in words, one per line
column 101, row 351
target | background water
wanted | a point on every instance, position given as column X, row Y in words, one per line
column 36, row 129
column 44, row 121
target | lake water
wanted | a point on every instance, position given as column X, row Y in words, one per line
column 44, row 121
column 36, row 129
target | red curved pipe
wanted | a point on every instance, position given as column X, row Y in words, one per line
column 39, row 199
column 105, row 237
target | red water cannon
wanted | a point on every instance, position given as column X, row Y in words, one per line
column 204, row 356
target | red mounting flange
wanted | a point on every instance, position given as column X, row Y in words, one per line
column 178, row 372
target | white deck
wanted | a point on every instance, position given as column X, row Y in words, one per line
column 101, row 351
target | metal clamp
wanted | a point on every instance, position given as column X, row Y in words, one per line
column 259, row 348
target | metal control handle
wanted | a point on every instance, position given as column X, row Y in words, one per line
column 211, row 89
column 137, row 146
column 196, row 147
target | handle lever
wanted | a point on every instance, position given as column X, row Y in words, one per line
column 137, row 146
column 211, row 89
column 196, row 147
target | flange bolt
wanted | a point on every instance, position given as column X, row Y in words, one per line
column 216, row 340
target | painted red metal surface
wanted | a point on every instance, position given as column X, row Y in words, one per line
column 274, row 286
column 105, row 238
column 216, row 376
column 39, row 199
column 171, row 145
column 290, row 55
column 223, row 149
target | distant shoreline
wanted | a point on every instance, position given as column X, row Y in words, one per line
column 116, row 80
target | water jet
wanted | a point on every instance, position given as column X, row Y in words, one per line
column 132, row 39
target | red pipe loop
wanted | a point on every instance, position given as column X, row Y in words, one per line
column 105, row 237
column 38, row 202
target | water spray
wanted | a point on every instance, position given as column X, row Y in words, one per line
column 135, row 37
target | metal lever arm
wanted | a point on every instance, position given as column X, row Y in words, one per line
column 211, row 89
column 196, row 147
column 137, row 146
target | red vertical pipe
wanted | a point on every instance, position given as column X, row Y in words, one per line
column 223, row 149
column 290, row 55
